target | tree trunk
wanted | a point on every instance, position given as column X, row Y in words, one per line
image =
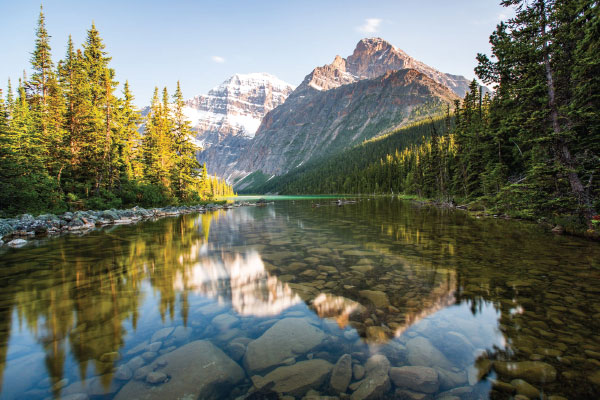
column 562, row 149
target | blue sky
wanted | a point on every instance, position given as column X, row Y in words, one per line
column 202, row 43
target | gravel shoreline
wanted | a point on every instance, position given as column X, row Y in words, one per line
column 15, row 232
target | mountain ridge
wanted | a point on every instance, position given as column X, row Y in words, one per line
column 373, row 57
column 340, row 117
column 332, row 108
column 226, row 118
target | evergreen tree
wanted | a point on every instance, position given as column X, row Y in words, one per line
column 100, row 114
column 10, row 100
column 129, row 140
column 151, row 142
column 185, row 169
column 43, row 74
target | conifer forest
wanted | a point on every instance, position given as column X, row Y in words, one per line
column 71, row 140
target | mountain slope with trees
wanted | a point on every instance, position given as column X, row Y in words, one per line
column 366, row 168
column 376, row 89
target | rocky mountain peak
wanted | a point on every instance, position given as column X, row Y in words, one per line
column 372, row 45
column 328, row 76
column 373, row 57
column 339, row 62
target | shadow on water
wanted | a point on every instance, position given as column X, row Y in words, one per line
column 489, row 308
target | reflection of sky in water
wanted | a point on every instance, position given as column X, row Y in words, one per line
column 239, row 263
column 480, row 328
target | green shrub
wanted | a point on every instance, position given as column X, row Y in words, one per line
column 104, row 200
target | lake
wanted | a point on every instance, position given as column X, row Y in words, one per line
column 382, row 298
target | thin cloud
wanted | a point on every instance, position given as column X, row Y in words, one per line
column 371, row 25
column 492, row 20
column 218, row 59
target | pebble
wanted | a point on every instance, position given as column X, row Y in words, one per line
column 358, row 371
column 153, row 347
column 123, row 373
column 156, row 378
column 17, row 243
column 149, row 355
column 525, row 388
column 341, row 374
column 161, row 334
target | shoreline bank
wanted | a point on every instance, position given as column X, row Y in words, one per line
column 16, row 232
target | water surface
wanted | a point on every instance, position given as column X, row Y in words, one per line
column 423, row 302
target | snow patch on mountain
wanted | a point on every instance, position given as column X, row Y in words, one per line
column 237, row 105
column 227, row 117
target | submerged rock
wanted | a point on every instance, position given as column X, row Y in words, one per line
column 135, row 363
column 525, row 388
column 160, row 334
column 156, row 378
column 378, row 298
column 287, row 338
column 457, row 347
column 17, row 243
column 404, row 394
column 180, row 334
column 358, row 371
column 153, row 347
column 224, row 322
column 236, row 350
column 595, row 378
column 450, row 379
column 421, row 379
column 138, row 349
column 196, row 370
column 341, row 374
column 421, row 352
column 297, row 379
column 377, row 381
column 123, row 373
column 98, row 386
column 531, row 371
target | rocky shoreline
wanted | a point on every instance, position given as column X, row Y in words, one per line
column 16, row 232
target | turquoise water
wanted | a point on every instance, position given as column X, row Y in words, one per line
column 378, row 299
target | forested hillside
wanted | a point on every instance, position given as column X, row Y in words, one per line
column 358, row 169
column 531, row 150
column 69, row 139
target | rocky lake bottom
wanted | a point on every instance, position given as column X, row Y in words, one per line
column 380, row 298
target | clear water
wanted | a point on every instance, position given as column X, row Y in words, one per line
column 263, row 301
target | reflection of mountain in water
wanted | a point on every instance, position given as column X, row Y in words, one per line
column 336, row 307
column 439, row 297
column 240, row 279
column 79, row 297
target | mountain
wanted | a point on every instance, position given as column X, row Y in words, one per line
column 375, row 90
column 344, row 172
column 226, row 119
column 374, row 57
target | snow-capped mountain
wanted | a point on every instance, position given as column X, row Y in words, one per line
column 226, row 118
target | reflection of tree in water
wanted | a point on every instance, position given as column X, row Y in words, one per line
column 545, row 288
column 85, row 288
column 6, row 306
